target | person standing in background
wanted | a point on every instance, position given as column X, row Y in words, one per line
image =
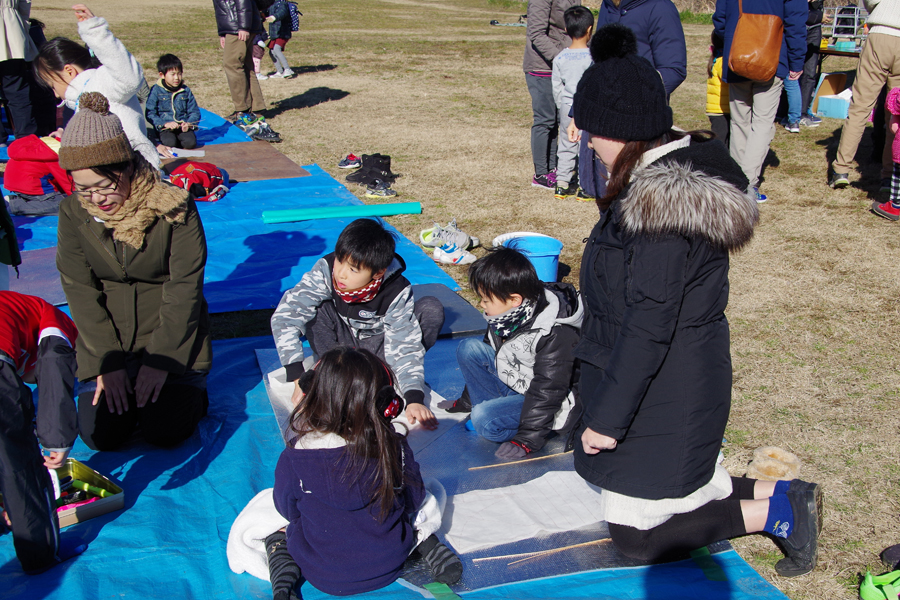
column 16, row 51
column 545, row 38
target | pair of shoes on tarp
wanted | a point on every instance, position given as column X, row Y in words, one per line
column 372, row 168
column 255, row 126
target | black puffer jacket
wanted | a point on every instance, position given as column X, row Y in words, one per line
column 237, row 15
column 537, row 361
column 656, row 365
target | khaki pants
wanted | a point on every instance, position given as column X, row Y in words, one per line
column 753, row 106
column 878, row 64
column 238, row 63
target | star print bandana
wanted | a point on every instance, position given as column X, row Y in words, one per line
column 506, row 323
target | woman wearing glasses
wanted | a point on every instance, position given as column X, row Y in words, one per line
column 131, row 255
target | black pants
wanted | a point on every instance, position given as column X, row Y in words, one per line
column 327, row 330
column 715, row 521
column 808, row 78
column 35, row 206
column 721, row 126
column 170, row 420
column 24, row 482
column 15, row 88
column 178, row 139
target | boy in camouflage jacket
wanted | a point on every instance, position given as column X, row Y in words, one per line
column 357, row 297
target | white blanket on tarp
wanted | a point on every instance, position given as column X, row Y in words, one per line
column 557, row 501
column 246, row 547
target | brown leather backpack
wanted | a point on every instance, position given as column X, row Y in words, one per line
column 756, row 45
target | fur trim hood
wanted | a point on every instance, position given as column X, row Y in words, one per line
column 694, row 193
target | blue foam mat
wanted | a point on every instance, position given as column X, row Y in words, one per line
column 251, row 264
column 216, row 130
column 180, row 505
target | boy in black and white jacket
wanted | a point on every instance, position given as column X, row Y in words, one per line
column 520, row 378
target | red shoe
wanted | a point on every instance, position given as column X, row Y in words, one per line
column 886, row 210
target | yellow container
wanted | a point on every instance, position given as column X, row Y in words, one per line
column 823, row 45
column 78, row 514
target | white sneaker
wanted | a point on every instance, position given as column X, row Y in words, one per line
column 262, row 76
column 451, row 254
column 288, row 74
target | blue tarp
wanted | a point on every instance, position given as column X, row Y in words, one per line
column 252, row 264
column 180, row 505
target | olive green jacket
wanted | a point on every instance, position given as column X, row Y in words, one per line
column 124, row 300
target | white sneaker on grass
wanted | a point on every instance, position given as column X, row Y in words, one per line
column 451, row 254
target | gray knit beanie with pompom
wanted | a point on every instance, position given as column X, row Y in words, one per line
column 94, row 136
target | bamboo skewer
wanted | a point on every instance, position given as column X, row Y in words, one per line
column 555, row 550
column 518, row 462
column 539, row 553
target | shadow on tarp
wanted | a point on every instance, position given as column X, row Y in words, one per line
column 272, row 259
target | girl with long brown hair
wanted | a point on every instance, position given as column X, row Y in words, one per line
column 349, row 485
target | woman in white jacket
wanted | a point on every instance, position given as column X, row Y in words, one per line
column 70, row 70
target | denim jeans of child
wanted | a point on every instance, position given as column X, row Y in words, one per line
column 496, row 407
column 794, row 98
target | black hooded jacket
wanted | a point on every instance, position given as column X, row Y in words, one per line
column 537, row 361
column 656, row 363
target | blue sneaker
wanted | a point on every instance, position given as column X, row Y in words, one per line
column 760, row 198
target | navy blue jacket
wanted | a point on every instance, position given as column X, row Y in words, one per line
column 164, row 106
column 334, row 533
column 280, row 28
column 660, row 38
column 793, row 44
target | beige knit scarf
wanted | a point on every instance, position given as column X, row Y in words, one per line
column 150, row 199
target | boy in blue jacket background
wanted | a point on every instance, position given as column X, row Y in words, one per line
column 171, row 106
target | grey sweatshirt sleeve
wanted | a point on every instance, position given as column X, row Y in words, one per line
column 559, row 86
column 403, row 349
column 296, row 309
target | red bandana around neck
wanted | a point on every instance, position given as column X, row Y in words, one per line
column 363, row 294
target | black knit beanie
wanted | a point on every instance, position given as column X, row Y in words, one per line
column 621, row 96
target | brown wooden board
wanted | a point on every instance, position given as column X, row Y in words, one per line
column 245, row 161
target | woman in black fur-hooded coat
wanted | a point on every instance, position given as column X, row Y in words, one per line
column 656, row 364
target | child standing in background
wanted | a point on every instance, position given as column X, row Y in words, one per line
column 350, row 488
column 258, row 51
column 891, row 208
column 171, row 106
column 717, row 108
column 279, row 21
column 567, row 69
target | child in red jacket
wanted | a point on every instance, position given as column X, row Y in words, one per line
column 33, row 174
column 37, row 343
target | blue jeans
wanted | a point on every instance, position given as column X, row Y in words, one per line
column 496, row 408
column 794, row 98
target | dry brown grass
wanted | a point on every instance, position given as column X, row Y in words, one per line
column 814, row 298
